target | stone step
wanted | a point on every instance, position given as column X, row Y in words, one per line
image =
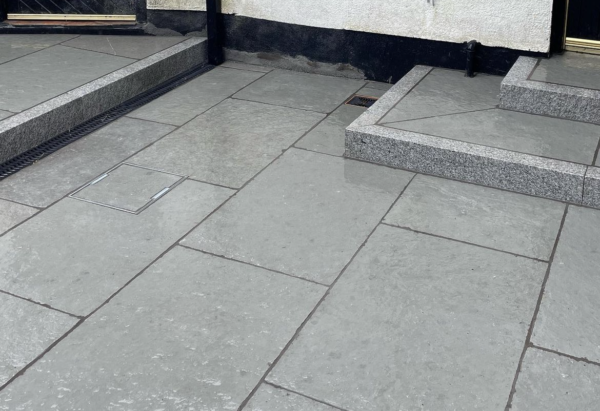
column 439, row 122
column 33, row 126
column 566, row 86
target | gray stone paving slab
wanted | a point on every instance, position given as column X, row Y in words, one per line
column 371, row 92
column 5, row 114
column 305, row 215
column 525, row 133
column 300, row 90
column 193, row 98
column 12, row 214
column 570, row 69
column 244, row 66
column 75, row 255
column 13, row 46
column 549, row 382
column 269, row 398
column 194, row 332
column 135, row 47
column 417, row 322
column 568, row 318
column 492, row 218
column 379, row 85
column 445, row 92
column 127, row 187
column 69, row 168
column 48, row 73
column 27, row 330
column 230, row 143
column 329, row 136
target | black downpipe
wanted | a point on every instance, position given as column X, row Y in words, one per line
column 215, row 48
column 471, row 50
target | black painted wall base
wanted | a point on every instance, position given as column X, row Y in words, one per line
column 381, row 57
column 183, row 22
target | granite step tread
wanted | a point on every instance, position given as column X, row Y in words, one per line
column 525, row 153
column 28, row 129
column 564, row 86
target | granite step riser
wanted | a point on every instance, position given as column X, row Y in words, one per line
column 41, row 123
column 518, row 93
column 488, row 166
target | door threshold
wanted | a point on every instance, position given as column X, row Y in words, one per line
column 87, row 23
column 71, row 17
column 582, row 45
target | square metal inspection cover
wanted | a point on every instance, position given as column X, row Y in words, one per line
column 128, row 187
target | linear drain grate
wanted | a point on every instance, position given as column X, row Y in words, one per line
column 31, row 156
column 361, row 101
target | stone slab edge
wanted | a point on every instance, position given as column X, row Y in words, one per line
column 488, row 166
column 518, row 93
column 38, row 124
column 591, row 190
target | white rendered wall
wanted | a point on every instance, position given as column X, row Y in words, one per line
column 516, row 24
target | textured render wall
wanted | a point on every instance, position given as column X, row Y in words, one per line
column 516, row 24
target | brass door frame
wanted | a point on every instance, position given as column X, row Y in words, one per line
column 579, row 45
column 72, row 17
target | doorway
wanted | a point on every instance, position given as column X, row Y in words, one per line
column 583, row 26
column 71, row 10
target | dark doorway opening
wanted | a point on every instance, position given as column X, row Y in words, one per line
column 576, row 26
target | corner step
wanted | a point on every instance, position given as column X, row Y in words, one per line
column 437, row 122
column 34, row 126
column 532, row 86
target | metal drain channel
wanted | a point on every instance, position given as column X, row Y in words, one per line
column 56, row 143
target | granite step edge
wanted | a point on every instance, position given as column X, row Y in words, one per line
column 519, row 93
column 32, row 127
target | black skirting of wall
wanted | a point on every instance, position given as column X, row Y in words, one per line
column 381, row 57
column 183, row 22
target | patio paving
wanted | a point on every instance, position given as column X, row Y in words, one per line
column 279, row 275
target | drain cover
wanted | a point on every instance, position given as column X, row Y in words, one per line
column 361, row 101
column 128, row 188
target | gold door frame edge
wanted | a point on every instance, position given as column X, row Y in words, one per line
column 72, row 17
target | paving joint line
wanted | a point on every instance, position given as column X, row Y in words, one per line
column 562, row 354
column 184, row 38
column 36, row 359
column 252, row 265
column 325, row 154
column 278, row 105
column 241, row 69
column 212, row 184
column 528, row 343
column 321, row 300
column 45, row 48
column 304, row 395
column 539, row 260
column 385, row 124
column 129, row 115
column 29, row 300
